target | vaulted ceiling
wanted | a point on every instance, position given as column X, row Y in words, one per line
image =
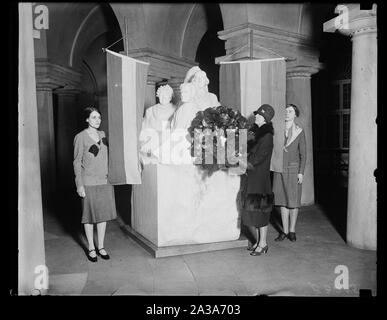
column 173, row 29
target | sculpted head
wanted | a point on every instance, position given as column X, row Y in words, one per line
column 187, row 92
column 164, row 93
column 191, row 73
column 200, row 79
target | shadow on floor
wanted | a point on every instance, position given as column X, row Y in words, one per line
column 332, row 199
column 65, row 209
column 123, row 196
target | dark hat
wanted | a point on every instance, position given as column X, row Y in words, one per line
column 265, row 111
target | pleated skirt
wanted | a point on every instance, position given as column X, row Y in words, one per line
column 99, row 204
column 287, row 191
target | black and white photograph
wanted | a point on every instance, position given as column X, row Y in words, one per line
column 197, row 149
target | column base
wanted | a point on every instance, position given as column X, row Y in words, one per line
column 361, row 246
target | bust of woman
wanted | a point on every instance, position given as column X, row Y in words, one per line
column 158, row 117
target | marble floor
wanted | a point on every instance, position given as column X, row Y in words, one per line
column 302, row 268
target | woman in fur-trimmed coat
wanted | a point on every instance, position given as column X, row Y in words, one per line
column 257, row 193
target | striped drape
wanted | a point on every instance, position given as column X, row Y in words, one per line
column 246, row 85
column 126, row 82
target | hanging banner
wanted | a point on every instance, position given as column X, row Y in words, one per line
column 126, row 84
column 246, row 85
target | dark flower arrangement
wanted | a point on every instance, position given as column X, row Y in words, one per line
column 218, row 125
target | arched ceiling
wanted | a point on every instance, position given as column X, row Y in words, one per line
column 161, row 26
column 64, row 21
column 173, row 29
column 302, row 19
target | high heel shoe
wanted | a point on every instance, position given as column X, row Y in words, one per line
column 92, row 259
column 253, row 247
column 103, row 256
column 258, row 253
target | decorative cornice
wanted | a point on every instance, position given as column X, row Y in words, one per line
column 266, row 32
column 152, row 80
column 162, row 64
column 51, row 76
column 165, row 57
column 67, row 90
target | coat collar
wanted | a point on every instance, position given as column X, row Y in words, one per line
column 293, row 133
column 259, row 132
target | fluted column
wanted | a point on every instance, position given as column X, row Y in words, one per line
column 361, row 216
column 298, row 92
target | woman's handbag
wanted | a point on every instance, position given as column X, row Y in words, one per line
column 262, row 203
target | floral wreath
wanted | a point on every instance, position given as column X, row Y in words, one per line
column 222, row 123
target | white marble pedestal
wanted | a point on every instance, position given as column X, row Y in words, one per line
column 176, row 211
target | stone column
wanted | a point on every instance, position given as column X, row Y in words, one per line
column 46, row 143
column 68, row 125
column 361, row 216
column 361, row 228
column 32, row 274
column 298, row 92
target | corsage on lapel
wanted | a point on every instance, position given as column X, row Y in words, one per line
column 94, row 150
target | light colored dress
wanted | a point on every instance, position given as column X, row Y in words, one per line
column 158, row 117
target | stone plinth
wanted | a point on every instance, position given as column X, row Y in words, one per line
column 176, row 206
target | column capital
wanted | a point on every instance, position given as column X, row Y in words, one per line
column 67, row 90
column 152, row 79
column 255, row 41
column 352, row 21
column 175, row 82
column 162, row 64
column 50, row 75
column 302, row 71
column 46, row 85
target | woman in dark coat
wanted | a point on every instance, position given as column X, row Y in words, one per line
column 287, row 186
column 257, row 193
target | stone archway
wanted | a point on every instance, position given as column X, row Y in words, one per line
column 81, row 74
